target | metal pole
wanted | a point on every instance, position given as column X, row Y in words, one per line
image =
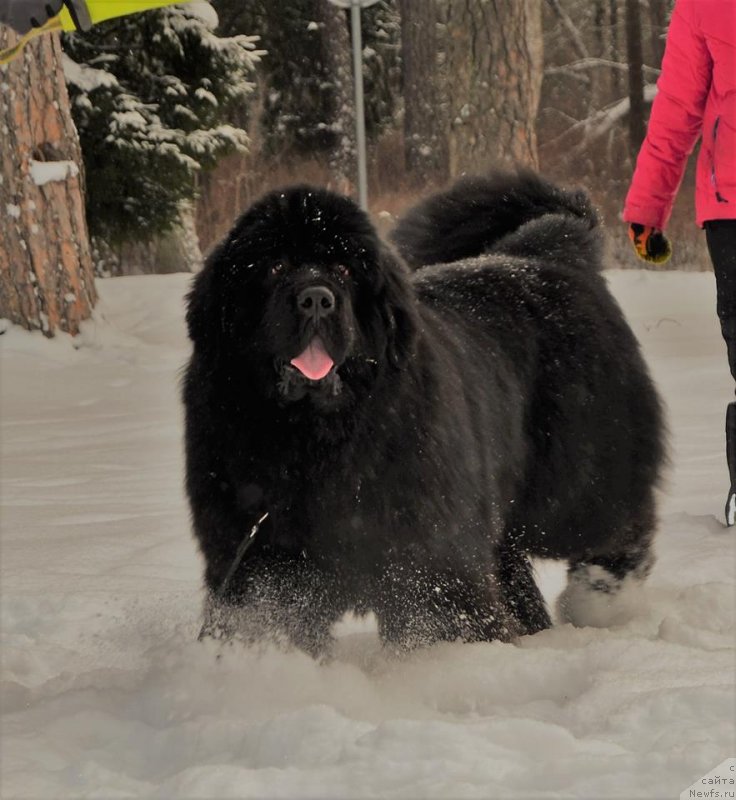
column 355, row 6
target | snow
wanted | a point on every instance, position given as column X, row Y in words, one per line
column 206, row 96
column 602, row 121
column 723, row 777
column 203, row 11
column 85, row 77
column 128, row 119
column 43, row 172
column 605, row 119
column 595, row 608
column 106, row 693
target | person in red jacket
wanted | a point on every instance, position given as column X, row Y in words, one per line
column 696, row 97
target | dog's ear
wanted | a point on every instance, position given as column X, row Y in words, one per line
column 399, row 310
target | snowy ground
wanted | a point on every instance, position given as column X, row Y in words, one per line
column 106, row 694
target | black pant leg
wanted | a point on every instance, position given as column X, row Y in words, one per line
column 721, row 238
column 731, row 442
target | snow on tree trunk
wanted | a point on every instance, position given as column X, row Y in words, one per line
column 46, row 277
column 494, row 60
column 425, row 138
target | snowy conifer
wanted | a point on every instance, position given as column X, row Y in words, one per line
column 152, row 96
column 304, row 86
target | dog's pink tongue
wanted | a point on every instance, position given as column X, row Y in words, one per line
column 314, row 363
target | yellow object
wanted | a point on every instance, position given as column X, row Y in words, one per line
column 651, row 244
column 99, row 11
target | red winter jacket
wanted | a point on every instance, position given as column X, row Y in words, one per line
column 697, row 95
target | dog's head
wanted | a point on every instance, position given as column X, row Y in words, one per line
column 301, row 299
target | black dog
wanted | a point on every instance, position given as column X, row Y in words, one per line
column 414, row 437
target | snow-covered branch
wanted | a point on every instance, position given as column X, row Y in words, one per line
column 584, row 64
column 599, row 123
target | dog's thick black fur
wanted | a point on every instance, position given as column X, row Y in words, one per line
column 474, row 413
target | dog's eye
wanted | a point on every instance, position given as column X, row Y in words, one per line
column 277, row 269
column 343, row 270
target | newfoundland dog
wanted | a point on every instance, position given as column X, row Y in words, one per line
column 398, row 431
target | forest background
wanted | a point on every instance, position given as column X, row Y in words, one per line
column 132, row 148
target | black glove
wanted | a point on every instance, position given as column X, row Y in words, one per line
column 24, row 15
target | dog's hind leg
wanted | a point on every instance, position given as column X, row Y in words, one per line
column 520, row 590
column 607, row 588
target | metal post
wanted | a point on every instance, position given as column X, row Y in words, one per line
column 355, row 6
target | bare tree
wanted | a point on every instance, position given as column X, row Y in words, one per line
column 46, row 277
column 658, row 27
column 425, row 137
column 494, row 69
column 635, row 58
column 614, row 19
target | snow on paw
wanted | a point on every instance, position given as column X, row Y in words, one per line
column 596, row 598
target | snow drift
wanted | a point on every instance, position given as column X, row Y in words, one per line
column 106, row 693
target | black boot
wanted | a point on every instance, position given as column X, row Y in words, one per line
column 731, row 458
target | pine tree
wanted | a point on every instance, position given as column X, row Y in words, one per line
column 152, row 97
column 46, row 278
column 336, row 52
column 425, row 124
column 494, row 62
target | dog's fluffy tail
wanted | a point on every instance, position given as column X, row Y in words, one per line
column 517, row 214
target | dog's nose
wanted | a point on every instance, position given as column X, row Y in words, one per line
column 316, row 302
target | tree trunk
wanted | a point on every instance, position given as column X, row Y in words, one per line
column 494, row 69
column 425, row 129
column 337, row 52
column 46, row 277
column 635, row 59
column 616, row 54
column 658, row 26
column 599, row 25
